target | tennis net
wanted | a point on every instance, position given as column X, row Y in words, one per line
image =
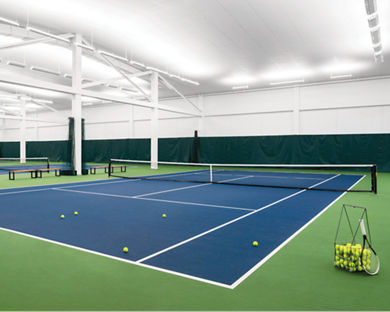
column 354, row 178
column 10, row 164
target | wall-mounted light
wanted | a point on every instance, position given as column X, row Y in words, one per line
column 286, row 82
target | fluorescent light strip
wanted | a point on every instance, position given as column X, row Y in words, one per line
column 43, row 101
column 190, row 81
column 340, row 76
column 44, row 70
column 7, row 21
column 240, row 87
column 17, row 64
column 286, row 82
column 44, row 33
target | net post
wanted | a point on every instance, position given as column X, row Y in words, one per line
column 211, row 173
column 109, row 168
column 374, row 179
column 48, row 164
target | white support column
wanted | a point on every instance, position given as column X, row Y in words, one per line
column 154, row 121
column 201, row 119
column 296, row 111
column 22, row 152
column 131, row 121
column 76, row 102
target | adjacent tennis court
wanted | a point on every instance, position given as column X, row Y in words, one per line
column 207, row 234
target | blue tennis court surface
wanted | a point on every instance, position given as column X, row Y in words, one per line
column 208, row 232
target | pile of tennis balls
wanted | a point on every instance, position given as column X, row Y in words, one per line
column 348, row 257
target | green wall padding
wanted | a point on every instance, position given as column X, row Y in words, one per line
column 303, row 149
column 55, row 150
column 9, row 149
column 299, row 149
column 176, row 149
column 103, row 150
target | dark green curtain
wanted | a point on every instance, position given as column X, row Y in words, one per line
column 299, row 149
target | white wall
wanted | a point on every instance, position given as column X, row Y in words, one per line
column 340, row 108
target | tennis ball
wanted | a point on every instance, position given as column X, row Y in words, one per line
column 125, row 249
column 164, row 215
column 337, row 263
column 341, row 265
column 359, row 246
column 368, row 267
column 62, row 216
column 337, row 252
column 360, row 268
column 76, row 213
column 337, row 258
column 255, row 244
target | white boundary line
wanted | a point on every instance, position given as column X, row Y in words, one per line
column 171, row 190
column 266, row 258
column 228, row 223
column 96, row 183
column 25, row 191
column 152, row 199
column 196, row 204
column 48, row 186
column 117, row 258
column 187, row 187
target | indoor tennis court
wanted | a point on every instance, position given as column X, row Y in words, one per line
column 194, row 155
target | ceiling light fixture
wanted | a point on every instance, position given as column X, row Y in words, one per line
column 340, row 76
column 9, row 22
column 44, row 33
column 286, row 82
column 16, row 63
column 44, row 70
column 240, row 87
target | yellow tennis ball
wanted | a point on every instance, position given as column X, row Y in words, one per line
column 255, row 244
column 76, row 213
column 164, row 215
column 125, row 249
column 62, row 216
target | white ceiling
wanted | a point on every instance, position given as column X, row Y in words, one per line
column 219, row 43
